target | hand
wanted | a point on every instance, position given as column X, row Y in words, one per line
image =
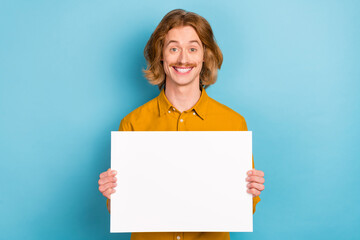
column 107, row 182
column 256, row 182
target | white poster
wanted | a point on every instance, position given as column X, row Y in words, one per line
column 181, row 181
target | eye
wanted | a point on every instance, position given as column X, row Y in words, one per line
column 173, row 49
column 193, row 49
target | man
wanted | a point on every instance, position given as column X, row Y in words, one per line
column 183, row 58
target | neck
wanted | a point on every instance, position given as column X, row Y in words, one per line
column 183, row 97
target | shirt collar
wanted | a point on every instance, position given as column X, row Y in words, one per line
column 200, row 107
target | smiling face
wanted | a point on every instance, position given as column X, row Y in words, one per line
column 183, row 56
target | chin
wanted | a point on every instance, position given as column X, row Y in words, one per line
column 183, row 82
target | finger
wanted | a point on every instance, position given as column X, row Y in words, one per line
column 257, row 186
column 104, row 174
column 108, row 173
column 255, row 179
column 108, row 193
column 254, row 192
column 255, row 172
column 106, row 180
column 104, row 187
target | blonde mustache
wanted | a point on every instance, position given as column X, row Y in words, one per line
column 186, row 65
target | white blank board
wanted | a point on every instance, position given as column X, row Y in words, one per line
column 181, row 181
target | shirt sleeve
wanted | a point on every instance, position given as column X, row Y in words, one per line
column 125, row 126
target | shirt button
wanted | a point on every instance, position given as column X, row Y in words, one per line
column 173, row 109
column 194, row 113
column 169, row 111
column 181, row 120
column 178, row 237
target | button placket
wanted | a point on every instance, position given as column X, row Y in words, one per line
column 178, row 236
column 181, row 117
column 180, row 122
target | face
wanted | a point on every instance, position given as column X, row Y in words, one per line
column 183, row 56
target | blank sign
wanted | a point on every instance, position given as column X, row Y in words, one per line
column 181, row 181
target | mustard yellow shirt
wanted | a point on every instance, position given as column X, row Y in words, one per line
column 207, row 115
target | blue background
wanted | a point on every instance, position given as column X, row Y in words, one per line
column 71, row 70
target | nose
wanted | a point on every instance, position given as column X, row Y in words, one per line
column 183, row 57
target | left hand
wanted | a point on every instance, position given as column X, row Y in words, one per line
column 256, row 182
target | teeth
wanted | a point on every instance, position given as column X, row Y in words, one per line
column 183, row 70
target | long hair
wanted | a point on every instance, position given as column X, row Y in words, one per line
column 213, row 57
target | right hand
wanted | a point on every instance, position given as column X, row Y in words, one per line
column 107, row 182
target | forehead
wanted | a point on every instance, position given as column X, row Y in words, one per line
column 182, row 35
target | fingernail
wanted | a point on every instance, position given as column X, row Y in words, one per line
column 114, row 190
column 248, row 185
column 114, row 178
column 113, row 172
column 250, row 172
column 247, row 179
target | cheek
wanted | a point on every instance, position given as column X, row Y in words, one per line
column 168, row 58
column 199, row 65
column 166, row 66
column 200, row 59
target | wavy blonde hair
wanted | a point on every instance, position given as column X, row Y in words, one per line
column 213, row 57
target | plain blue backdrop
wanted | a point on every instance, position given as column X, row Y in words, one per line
column 71, row 70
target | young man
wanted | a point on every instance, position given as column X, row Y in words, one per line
column 183, row 58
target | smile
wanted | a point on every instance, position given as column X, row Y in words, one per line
column 183, row 69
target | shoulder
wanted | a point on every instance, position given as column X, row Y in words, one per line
column 146, row 110
column 227, row 114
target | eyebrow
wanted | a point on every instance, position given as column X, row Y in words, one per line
column 174, row 41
